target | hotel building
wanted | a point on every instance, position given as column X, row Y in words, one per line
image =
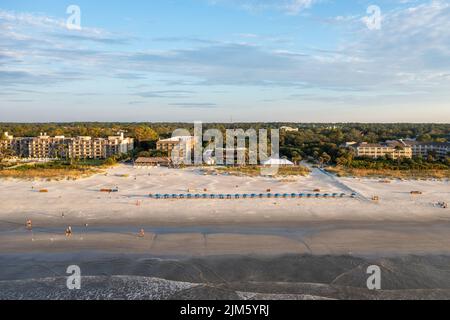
column 400, row 149
column 46, row 147
column 391, row 149
column 441, row 150
column 182, row 145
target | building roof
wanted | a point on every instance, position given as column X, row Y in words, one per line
column 387, row 144
column 176, row 139
column 435, row 144
column 371, row 145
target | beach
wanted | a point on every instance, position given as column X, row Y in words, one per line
column 337, row 237
column 398, row 222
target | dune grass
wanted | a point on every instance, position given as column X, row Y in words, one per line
column 390, row 173
column 55, row 170
column 253, row 171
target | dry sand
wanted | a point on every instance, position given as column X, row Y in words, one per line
column 398, row 223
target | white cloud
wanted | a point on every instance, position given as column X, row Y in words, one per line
column 411, row 52
column 291, row 7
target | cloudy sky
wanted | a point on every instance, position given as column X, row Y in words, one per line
column 216, row 60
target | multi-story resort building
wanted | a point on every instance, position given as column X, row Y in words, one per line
column 46, row 147
column 182, row 144
column 391, row 149
column 400, row 149
column 440, row 150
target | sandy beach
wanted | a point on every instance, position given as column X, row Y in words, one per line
column 398, row 223
column 238, row 249
column 223, row 249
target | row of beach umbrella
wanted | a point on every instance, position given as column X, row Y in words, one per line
column 249, row 196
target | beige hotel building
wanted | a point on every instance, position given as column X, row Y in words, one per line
column 46, row 147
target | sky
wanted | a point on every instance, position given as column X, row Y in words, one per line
column 225, row 60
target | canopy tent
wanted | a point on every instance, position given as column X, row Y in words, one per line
column 277, row 162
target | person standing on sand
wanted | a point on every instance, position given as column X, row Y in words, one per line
column 69, row 231
column 29, row 224
column 142, row 233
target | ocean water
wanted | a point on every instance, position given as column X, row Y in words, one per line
column 43, row 276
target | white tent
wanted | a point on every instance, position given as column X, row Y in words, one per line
column 277, row 162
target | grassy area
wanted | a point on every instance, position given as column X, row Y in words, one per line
column 253, row 171
column 391, row 173
column 54, row 170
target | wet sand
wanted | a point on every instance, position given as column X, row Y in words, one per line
column 364, row 239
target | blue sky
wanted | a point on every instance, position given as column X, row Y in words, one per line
column 213, row 60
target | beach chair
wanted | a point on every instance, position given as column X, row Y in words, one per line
column 174, row 196
column 301, row 195
column 353, row 195
column 221, row 196
column 293, row 195
column 229, row 196
column 245, row 196
column 204, row 196
column 237, row 196
column 189, row 196
column 157, row 196
column 334, row 195
column 342, row 195
column 285, row 195
column 269, row 195
column 212, row 196
column 197, row 196
column 181, row 196
column 261, row 195
column 309, row 195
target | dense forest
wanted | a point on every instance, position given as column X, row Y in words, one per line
column 315, row 141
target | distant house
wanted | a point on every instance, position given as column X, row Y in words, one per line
column 289, row 129
column 152, row 162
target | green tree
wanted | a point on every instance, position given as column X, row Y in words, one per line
column 326, row 157
column 144, row 133
column 296, row 157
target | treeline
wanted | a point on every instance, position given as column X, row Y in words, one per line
column 370, row 132
column 314, row 141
